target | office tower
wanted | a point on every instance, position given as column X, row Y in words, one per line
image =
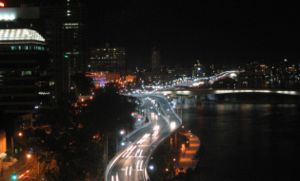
column 111, row 59
column 24, row 81
column 155, row 61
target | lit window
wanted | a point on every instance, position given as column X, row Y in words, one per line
column 20, row 34
column 51, row 83
column 26, row 73
column 13, row 48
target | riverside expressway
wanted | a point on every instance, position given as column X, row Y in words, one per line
column 130, row 164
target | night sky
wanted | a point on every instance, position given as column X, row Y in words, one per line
column 212, row 31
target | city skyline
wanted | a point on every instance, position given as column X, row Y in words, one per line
column 214, row 32
column 149, row 90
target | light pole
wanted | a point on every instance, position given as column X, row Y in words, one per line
column 29, row 156
column 121, row 133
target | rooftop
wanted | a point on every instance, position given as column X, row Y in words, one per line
column 20, row 35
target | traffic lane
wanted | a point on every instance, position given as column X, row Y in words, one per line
column 116, row 172
column 132, row 164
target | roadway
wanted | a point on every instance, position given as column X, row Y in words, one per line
column 131, row 163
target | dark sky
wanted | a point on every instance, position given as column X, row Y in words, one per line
column 212, row 31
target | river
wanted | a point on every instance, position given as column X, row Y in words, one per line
column 246, row 140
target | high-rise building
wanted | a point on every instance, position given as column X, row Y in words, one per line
column 32, row 17
column 62, row 25
column 198, row 70
column 73, row 39
column 155, row 60
column 24, row 81
column 111, row 59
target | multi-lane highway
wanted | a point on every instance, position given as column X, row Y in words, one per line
column 130, row 164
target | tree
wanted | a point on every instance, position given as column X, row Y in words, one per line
column 82, row 84
column 108, row 111
column 78, row 150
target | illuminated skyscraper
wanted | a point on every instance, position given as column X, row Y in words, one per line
column 198, row 70
column 61, row 24
column 107, row 59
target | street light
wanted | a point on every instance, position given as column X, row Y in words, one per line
column 172, row 125
column 28, row 155
column 151, row 167
column 122, row 132
column 14, row 176
column 20, row 134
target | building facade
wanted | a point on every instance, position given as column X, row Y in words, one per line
column 111, row 59
column 24, row 81
column 155, row 61
column 61, row 24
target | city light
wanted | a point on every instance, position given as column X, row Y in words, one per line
column 64, row 94
column 20, row 134
column 151, row 167
column 14, row 176
column 122, row 132
column 232, row 75
column 28, row 155
column 18, row 34
column 156, row 128
column 2, row 5
column 173, row 125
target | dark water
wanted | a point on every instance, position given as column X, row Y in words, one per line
column 242, row 141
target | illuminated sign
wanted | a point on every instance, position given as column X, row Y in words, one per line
column 2, row 5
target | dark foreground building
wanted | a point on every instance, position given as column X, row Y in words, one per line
column 24, row 81
column 62, row 25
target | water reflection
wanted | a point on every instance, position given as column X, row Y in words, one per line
column 243, row 141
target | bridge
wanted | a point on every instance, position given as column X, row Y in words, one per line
column 210, row 80
column 131, row 163
column 192, row 91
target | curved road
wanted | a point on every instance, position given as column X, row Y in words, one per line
column 130, row 164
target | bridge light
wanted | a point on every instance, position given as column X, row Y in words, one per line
column 232, row 75
column 151, row 167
